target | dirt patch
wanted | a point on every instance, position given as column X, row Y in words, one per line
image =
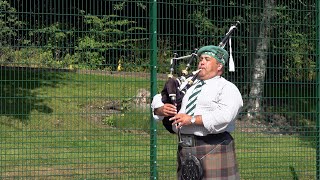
column 99, row 112
column 276, row 124
column 123, row 74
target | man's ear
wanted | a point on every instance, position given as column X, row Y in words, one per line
column 220, row 66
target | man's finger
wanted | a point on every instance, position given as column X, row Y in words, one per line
column 172, row 119
column 179, row 125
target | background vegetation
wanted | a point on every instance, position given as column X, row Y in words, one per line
column 70, row 71
column 106, row 35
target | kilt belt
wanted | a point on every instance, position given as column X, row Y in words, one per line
column 189, row 140
column 215, row 153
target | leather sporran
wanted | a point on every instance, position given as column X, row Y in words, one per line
column 191, row 168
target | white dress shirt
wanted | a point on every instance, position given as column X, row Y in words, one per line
column 219, row 103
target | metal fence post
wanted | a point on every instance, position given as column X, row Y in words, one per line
column 318, row 89
column 153, row 69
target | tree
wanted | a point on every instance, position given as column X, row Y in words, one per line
column 105, row 33
column 9, row 24
column 259, row 65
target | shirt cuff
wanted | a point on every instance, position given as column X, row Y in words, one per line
column 156, row 103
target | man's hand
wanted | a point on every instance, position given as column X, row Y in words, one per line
column 181, row 120
column 166, row 110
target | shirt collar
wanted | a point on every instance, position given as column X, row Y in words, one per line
column 211, row 79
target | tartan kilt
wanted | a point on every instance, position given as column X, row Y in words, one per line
column 218, row 161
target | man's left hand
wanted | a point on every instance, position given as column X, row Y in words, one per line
column 181, row 120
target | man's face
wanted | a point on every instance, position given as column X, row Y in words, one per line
column 209, row 66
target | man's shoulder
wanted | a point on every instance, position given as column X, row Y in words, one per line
column 217, row 80
column 223, row 82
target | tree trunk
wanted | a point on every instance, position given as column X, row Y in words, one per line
column 259, row 64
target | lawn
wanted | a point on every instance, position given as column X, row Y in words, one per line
column 72, row 125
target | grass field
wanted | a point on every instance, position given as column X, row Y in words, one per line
column 60, row 125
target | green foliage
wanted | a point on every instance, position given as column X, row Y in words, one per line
column 109, row 120
column 88, row 59
column 165, row 53
column 105, row 33
column 294, row 48
column 9, row 24
column 299, row 64
column 6, row 55
column 121, row 5
column 32, row 57
column 103, row 41
column 35, row 57
column 201, row 22
column 294, row 104
column 53, row 38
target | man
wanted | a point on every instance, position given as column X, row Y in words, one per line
column 205, row 120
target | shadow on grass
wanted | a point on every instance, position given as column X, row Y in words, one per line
column 16, row 91
column 294, row 173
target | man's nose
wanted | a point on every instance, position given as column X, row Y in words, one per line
column 201, row 61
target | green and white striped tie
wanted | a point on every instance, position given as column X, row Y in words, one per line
column 193, row 98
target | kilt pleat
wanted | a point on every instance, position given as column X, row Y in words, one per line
column 218, row 161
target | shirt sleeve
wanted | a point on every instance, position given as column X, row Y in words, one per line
column 156, row 103
column 226, row 108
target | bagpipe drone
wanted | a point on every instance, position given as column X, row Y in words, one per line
column 174, row 91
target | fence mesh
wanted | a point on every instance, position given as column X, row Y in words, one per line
column 76, row 85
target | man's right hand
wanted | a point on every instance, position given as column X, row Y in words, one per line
column 166, row 110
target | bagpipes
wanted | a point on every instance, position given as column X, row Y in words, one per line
column 173, row 92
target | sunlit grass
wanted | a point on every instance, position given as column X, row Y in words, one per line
column 68, row 134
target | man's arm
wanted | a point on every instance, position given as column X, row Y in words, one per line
column 160, row 110
column 185, row 119
column 155, row 106
column 227, row 108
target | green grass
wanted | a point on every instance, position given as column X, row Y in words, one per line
column 276, row 156
column 53, row 125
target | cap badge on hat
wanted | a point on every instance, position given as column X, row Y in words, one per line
column 220, row 55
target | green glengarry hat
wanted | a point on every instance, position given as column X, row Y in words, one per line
column 216, row 52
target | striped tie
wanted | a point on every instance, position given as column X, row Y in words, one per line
column 193, row 98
